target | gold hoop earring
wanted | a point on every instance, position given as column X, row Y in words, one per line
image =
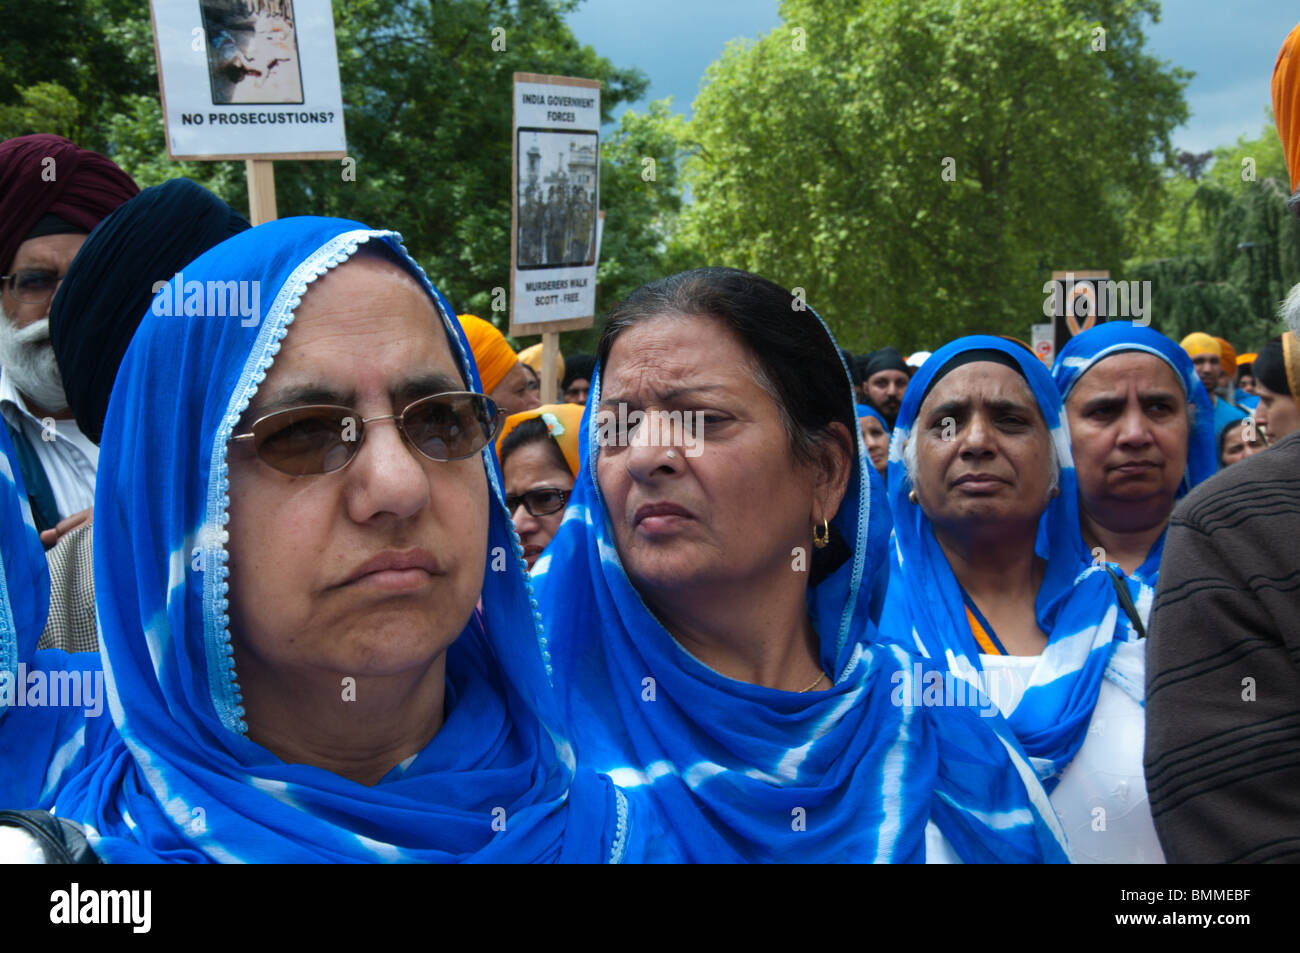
column 820, row 541
column 912, row 496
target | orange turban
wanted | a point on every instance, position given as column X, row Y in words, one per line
column 1198, row 343
column 1286, row 100
column 562, row 420
column 532, row 356
column 1227, row 356
column 1246, row 358
column 494, row 357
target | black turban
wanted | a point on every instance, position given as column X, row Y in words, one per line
column 1270, row 367
column 109, row 287
column 578, row 367
column 886, row 359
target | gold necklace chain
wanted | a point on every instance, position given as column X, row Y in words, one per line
column 820, row 676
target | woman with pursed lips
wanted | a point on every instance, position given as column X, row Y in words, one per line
column 538, row 450
column 1142, row 435
column 294, row 525
column 989, row 581
column 708, row 605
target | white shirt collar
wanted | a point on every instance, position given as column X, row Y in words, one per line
column 11, row 400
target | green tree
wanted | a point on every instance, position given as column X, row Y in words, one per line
column 428, row 119
column 1222, row 251
column 98, row 52
column 919, row 169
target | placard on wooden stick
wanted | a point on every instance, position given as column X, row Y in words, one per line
column 1077, row 300
column 249, row 79
column 554, row 201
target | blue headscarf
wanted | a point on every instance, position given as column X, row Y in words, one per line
column 719, row 770
column 40, row 742
column 179, row 779
column 24, row 576
column 1075, row 606
column 865, row 411
column 1083, row 351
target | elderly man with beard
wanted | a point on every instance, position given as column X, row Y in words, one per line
column 52, row 194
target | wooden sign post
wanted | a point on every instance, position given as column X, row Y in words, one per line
column 550, row 355
column 261, row 190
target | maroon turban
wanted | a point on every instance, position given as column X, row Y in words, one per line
column 79, row 186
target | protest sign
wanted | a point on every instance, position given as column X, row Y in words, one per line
column 555, row 198
column 249, row 79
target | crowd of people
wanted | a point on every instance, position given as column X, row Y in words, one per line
column 331, row 584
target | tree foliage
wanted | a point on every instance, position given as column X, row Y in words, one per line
column 427, row 113
column 1223, row 250
column 823, row 148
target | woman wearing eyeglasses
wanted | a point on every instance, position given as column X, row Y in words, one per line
column 538, row 450
column 294, row 519
column 709, row 600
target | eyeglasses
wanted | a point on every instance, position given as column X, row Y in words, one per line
column 540, row 502
column 322, row 438
column 32, row 286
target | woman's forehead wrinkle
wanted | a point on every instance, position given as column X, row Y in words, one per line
column 1146, row 375
column 663, row 373
column 980, row 392
column 648, row 374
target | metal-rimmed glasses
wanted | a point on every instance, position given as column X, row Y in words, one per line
column 322, row 438
column 31, row 285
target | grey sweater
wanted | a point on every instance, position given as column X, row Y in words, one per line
column 1223, row 668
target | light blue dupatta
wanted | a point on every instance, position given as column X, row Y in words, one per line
column 718, row 770
column 1076, row 603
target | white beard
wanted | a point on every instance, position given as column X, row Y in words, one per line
column 28, row 358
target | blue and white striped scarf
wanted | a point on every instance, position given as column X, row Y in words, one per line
column 719, row 770
column 1076, row 603
column 177, row 779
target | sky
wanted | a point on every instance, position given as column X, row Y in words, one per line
column 1231, row 45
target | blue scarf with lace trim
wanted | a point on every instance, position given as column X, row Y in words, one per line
column 176, row 778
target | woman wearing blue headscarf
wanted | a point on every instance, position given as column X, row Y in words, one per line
column 729, row 683
column 1142, row 435
column 875, row 434
column 990, row 582
column 295, row 510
